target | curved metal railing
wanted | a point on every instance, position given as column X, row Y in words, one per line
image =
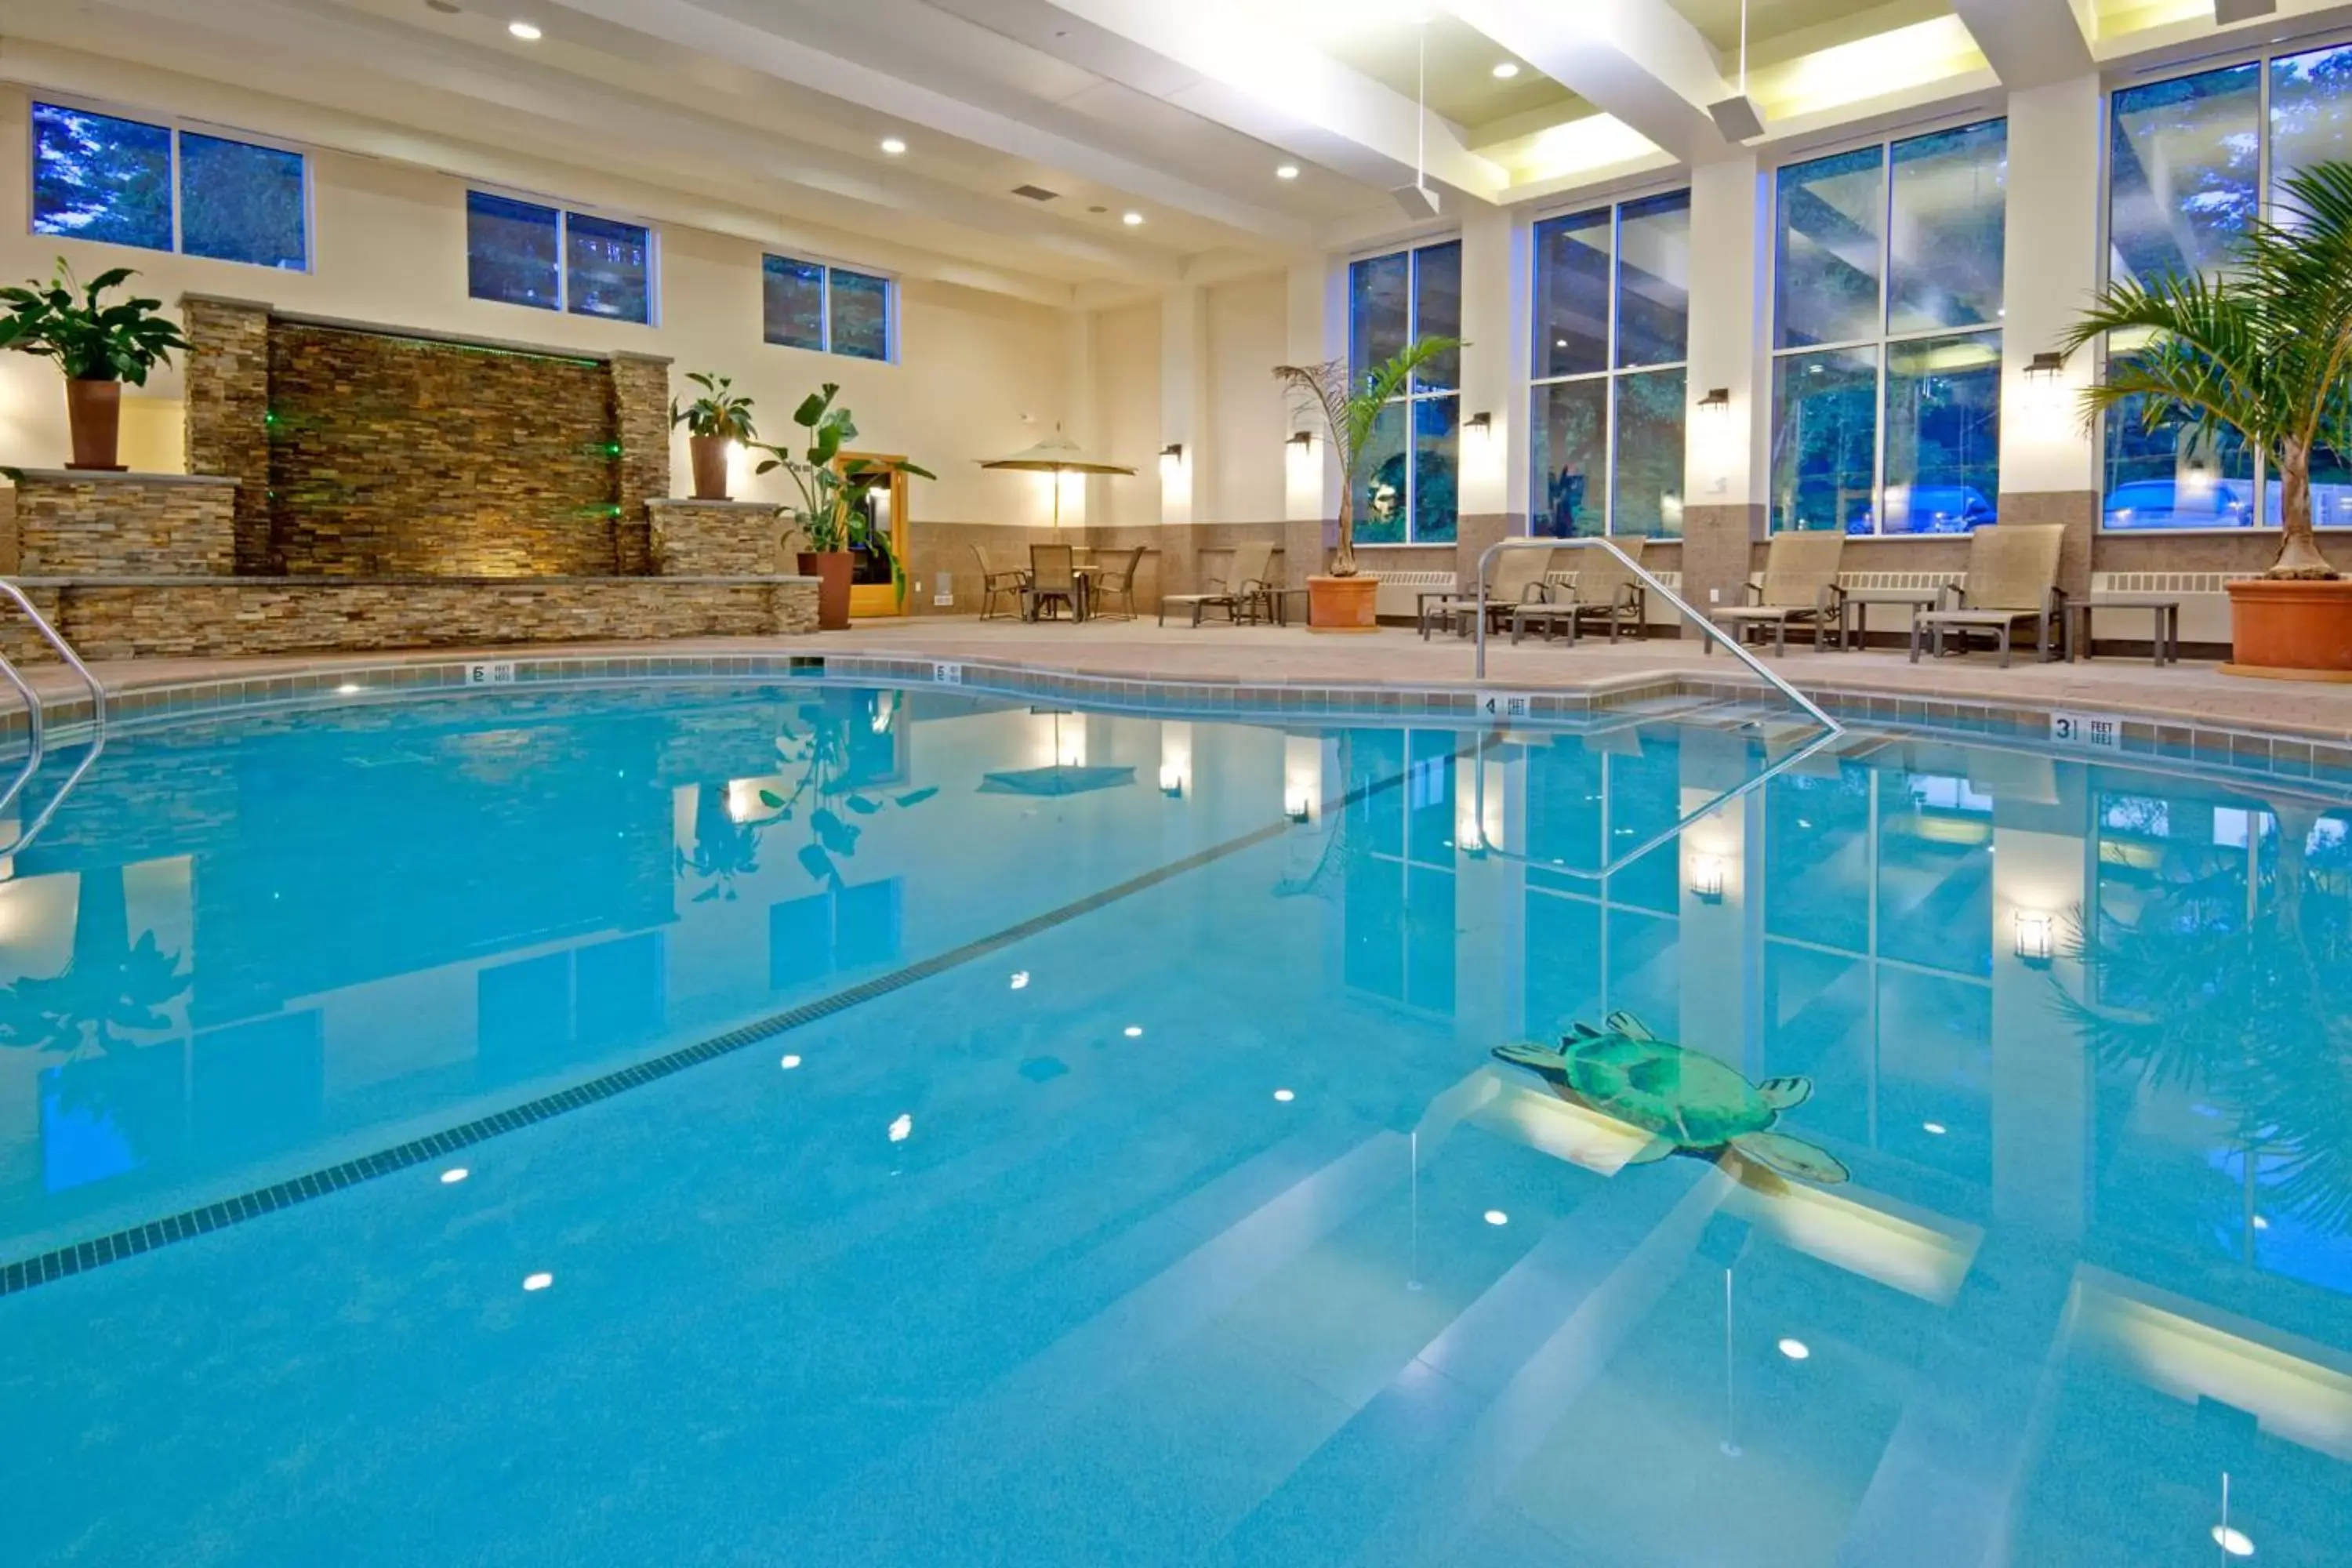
column 37, row 725
column 1812, row 708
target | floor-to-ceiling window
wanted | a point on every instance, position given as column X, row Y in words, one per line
column 1394, row 300
column 1886, row 306
column 1611, row 335
column 2187, row 161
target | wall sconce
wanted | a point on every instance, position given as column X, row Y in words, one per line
column 2037, row 937
column 1174, row 450
column 1707, row 878
column 1172, row 781
column 2047, row 365
column 1302, row 439
column 1716, row 401
column 1298, row 803
column 1482, row 422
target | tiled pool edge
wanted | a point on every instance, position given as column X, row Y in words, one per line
column 2248, row 752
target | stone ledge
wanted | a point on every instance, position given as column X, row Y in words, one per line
column 730, row 505
column 111, row 477
column 178, row 617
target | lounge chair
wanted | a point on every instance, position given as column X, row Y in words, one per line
column 996, row 584
column 1243, row 590
column 1517, row 578
column 1606, row 594
column 1799, row 585
column 1115, row 579
column 1053, row 577
column 2012, row 578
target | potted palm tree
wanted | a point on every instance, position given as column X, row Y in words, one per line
column 720, row 415
column 2265, row 349
column 1341, row 600
column 98, row 345
column 832, row 515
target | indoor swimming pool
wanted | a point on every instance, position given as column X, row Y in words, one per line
column 663, row 1122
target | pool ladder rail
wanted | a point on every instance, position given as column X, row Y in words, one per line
column 1649, row 580
column 37, row 723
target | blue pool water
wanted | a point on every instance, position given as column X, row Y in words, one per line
column 674, row 1124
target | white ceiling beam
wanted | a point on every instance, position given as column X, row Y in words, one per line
column 705, row 31
column 2028, row 43
column 1640, row 60
column 1226, row 61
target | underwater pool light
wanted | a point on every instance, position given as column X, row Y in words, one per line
column 454, row 1174
column 347, row 688
column 1020, row 979
column 1135, row 1031
column 902, row 1129
column 1496, row 1217
column 789, row 1063
column 2233, row 1541
column 1933, row 1129
column 1284, row 1096
column 537, row 1281
column 1796, row 1350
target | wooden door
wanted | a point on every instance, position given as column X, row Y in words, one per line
column 871, row 592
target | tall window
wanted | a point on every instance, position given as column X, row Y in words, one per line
column 1612, row 330
column 1394, row 300
column 827, row 309
column 162, row 187
column 1886, row 348
column 2189, row 161
column 520, row 253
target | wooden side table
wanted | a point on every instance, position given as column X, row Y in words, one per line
column 2164, row 632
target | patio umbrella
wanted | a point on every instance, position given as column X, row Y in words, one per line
column 1060, row 779
column 1057, row 455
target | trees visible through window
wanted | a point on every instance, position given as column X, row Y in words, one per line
column 128, row 182
column 1410, row 490
column 1613, row 330
column 522, row 253
column 827, row 309
column 1886, row 300
column 2188, row 161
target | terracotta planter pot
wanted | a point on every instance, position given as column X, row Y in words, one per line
column 831, row 570
column 1342, row 603
column 2283, row 629
column 710, row 454
column 94, row 409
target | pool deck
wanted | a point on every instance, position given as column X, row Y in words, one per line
column 2192, row 692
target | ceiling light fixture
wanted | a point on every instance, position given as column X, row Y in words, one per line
column 526, row 31
column 893, row 146
column 1418, row 202
column 454, row 1174
column 1496, row 1217
column 537, row 1281
column 1737, row 116
column 1506, row 70
column 1796, row 1350
column 789, row 1063
column 1284, row 1096
column 1132, row 220
column 1287, row 172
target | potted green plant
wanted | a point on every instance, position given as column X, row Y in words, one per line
column 832, row 516
column 2265, row 349
column 98, row 344
column 1342, row 599
column 720, row 416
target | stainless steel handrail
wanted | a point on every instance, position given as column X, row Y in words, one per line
column 36, row 721
column 1677, row 600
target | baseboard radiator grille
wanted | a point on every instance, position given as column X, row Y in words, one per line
column 2204, row 604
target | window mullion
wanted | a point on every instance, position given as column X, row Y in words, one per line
column 178, row 195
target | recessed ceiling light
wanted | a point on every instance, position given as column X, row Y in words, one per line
column 1795, row 1350
column 526, row 31
column 893, row 146
column 454, row 1174
column 789, row 1063
column 1135, row 1031
column 537, row 1281
column 2233, row 1541
column 1284, row 1096
column 1287, row 172
column 902, row 1129
column 1020, row 979
column 1936, row 1129
column 1132, row 220
column 2262, row 1223
column 1506, row 70
column 1496, row 1217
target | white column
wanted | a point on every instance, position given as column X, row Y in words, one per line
column 2050, row 268
column 1184, row 401
column 1495, row 305
column 2040, row 1077
column 1082, row 360
column 1317, row 331
column 1725, row 459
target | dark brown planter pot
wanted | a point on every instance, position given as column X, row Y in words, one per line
column 831, row 570
column 94, row 409
column 710, row 454
column 1342, row 603
column 2286, row 629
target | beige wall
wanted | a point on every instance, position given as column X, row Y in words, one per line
column 1247, row 323
column 1127, row 349
column 389, row 246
